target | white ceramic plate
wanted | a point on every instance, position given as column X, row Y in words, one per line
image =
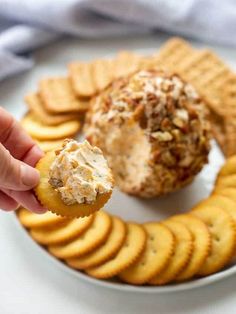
column 129, row 208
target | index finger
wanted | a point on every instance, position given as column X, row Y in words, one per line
column 16, row 140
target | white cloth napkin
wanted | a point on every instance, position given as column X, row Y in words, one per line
column 28, row 24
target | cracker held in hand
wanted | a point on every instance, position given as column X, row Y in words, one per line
column 75, row 180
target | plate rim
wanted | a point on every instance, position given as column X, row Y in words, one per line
column 193, row 284
column 122, row 287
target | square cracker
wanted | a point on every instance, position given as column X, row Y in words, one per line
column 126, row 62
column 207, row 72
column 57, row 96
column 35, row 105
column 218, row 130
column 229, row 96
column 174, row 52
column 102, row 73
column 89, row 78
column 230, row 128
column 229, row 93
column 81, row 77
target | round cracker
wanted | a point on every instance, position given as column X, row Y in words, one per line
column 221, row 202
column 131, row 249
column 228, row 192
column 104, row 252
column 229, row 167
column 226, row 182
column 155, row 257
column 201, row 245
column 182, row 252
column 223, row 235
column 40, row 131
column 62, row 234
column 36, row 106
column 32, row 220
column 47, row 146
column 51, row 199
column 88, row 241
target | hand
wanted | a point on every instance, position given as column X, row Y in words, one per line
column 18, row 156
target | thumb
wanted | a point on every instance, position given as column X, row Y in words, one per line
column 15, row 174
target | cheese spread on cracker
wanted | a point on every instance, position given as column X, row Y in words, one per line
column 80, row 172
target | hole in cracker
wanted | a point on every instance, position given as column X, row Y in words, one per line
column 154, row 251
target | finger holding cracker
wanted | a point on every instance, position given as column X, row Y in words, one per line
column 75, row 181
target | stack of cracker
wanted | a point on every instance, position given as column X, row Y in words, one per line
column 54, row 112
column 57, row 109
column 214, row 81
column 183, row 247
column 61, row 101
column 212, row 78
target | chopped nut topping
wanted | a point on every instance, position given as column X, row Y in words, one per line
column 173, row 124
column 162, row 136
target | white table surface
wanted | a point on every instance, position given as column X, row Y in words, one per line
column 29, row 283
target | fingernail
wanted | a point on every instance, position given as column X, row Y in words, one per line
column 38, row 151
column 40, row 211
column 29, row 176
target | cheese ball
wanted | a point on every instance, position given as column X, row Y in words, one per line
column 153, row 129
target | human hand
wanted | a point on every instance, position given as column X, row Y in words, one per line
column 18, row 156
